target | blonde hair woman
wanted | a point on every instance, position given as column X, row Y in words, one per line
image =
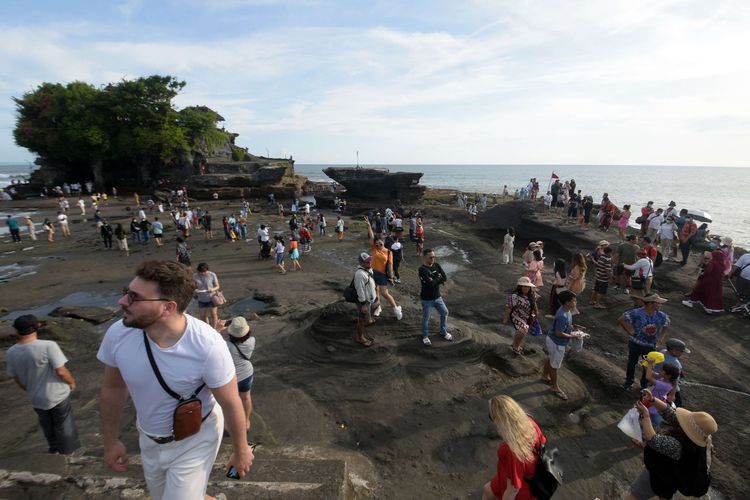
column 516, row 458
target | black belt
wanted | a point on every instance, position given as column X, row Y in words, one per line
column 169, row 439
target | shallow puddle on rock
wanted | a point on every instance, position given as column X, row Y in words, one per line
column 248, row 305
column 443, row 251
column 77, row 299
column 13, row 271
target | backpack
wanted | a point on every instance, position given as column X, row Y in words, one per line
column 659, row 259
column 350, row 292
column 548, row 474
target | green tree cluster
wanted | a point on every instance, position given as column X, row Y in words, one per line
column 122, row 131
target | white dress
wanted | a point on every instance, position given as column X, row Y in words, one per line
column 508, row 249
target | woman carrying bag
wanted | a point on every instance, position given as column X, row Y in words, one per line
column 207, row 290
column 521, row 312
column 643, row 272
column 680, row 459
column 241, row 345
column 516, row 456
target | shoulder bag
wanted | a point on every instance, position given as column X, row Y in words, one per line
column 242, row 355
column 218, row 299
column 548, row 474
column 187, row 416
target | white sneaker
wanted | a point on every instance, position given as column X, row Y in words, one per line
column 688, row 303
column 426, row 341
column 398, row 313
column 377, row 311
column 447, row 336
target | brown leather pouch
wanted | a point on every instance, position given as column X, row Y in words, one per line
column 187, row 418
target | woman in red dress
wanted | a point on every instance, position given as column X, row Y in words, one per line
column 516, row 457
column 709, row 289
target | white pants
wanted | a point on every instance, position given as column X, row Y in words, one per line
column 179, row 470
column 556, row 353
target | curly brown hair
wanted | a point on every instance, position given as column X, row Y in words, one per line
column 175, row 281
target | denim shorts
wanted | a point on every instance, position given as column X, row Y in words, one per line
column 246, row 384
column 205, row 305
column 279, row 258
column 381, row 279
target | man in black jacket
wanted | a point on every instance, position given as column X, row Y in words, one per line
column 431, row 276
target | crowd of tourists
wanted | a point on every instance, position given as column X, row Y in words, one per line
column 214, row 383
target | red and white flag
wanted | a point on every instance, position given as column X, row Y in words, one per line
column 555, row 176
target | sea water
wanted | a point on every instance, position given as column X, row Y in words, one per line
column 720, row 191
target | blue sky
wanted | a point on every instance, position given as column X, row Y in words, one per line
column 477, row 81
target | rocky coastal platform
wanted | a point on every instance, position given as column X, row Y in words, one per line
column 398, row 420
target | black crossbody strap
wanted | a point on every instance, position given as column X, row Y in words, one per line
column 240, row 352
column 158, row 373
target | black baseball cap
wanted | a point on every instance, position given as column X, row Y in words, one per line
column 26, row 324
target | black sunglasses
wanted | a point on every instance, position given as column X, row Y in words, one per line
column 133, row 297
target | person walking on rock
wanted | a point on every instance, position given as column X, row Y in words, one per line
column 31, row 227
column 158, row 229
column 241, row 345
column 431, row 276
column 516, row 456
column 508, row 243
column 206, row 286
column 688, row 235
column 647, row 327
column 677, row 460
column 382, row 270
column 340, row 228
column 521, row 311
column 558, row 338
column 122, row 239
column 106, row 233
column 38, row 367
column 367, row 298
column 12, row 224
column 141, row 359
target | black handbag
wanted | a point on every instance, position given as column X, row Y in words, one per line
column 548, row 474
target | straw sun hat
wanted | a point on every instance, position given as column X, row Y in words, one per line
column 238, row 327
column 697, row 425
column 525, row 281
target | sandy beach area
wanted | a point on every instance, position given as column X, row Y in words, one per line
column 394, row 421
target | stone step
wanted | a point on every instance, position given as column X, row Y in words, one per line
column 274, row 476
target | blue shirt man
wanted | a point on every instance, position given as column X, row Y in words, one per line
column 647, row 327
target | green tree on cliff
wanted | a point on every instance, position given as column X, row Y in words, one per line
column 123, row 131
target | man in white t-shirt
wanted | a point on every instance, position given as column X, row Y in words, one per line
column 667, row 231
column 654, row 223
column 193, row 360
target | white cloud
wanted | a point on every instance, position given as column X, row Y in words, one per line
column 554, row 82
